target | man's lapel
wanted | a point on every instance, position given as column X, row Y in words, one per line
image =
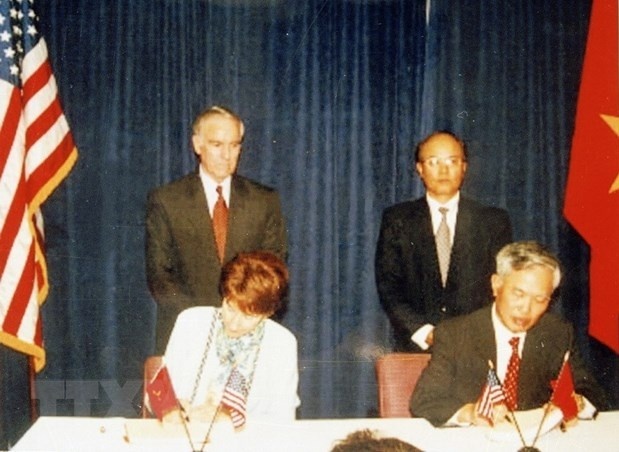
column 485, row 345
column 539, row 352
column 427, row 247
column 463, row 241
column 198, row 218
column 239, row 217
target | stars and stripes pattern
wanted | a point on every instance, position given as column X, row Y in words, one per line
column 36, row 153
column 234, row 398
column 491, row 395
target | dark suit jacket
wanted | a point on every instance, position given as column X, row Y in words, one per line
column 407, row 271
column 458, row 368
column 182, row 266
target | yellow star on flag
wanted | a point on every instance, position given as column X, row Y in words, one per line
column 613, row 122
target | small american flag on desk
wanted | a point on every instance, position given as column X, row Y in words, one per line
column 491, row 395
column 234, row 398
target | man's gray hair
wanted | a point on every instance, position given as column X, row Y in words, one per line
column 526, row 254
column 216, row 110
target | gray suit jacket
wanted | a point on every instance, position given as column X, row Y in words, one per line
column 458, row 368
column 407, row 271
column 182, row 267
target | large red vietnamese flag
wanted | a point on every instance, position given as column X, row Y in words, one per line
column 592, row 193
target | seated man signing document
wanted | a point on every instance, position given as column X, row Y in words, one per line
column 518, row 323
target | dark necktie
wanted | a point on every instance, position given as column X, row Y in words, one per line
column 511, row 376
column 220, row 224
column 443, row 245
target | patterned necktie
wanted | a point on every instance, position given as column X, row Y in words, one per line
column 443, row 245
column 220, row 224
column 511, row 377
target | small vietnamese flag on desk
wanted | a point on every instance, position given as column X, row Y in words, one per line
column 161, row 395
column 563, row 395
column 592, row 192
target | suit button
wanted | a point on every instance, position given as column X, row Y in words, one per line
column 443, row 309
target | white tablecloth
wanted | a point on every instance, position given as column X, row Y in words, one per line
column 93, row 434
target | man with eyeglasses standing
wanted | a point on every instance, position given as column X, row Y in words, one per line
column 435, row 255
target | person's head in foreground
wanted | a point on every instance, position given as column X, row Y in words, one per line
column 252, row 286
column 369, row 441
column 526, row 276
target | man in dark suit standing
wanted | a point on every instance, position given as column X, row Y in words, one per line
column 434, row 255
column 196, row 224
column 517, row 324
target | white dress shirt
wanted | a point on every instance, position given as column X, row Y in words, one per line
column 210, row 189
column 503, row 350
column 419, row 336
column 437, row 216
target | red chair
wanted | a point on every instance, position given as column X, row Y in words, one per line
column 397, row 375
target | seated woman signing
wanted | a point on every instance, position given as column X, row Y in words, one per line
column 234, row 360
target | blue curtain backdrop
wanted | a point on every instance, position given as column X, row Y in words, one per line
column 335, row 95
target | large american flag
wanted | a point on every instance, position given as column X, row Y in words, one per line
column 235, row 397
column 36, row 154
column 490, row 395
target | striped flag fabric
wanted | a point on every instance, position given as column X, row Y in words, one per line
column 36, row 153
column 491, row 394
column 234, row 398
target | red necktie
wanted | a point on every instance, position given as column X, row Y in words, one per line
column 220, row 224
column 511, row 377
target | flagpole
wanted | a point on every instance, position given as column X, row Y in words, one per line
column 513, row 416
column 33, row 393
column 539, row 428
column 210, row 427
column 547, row 407
column 184, row 419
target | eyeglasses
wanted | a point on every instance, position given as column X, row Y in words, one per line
column 450, row 162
